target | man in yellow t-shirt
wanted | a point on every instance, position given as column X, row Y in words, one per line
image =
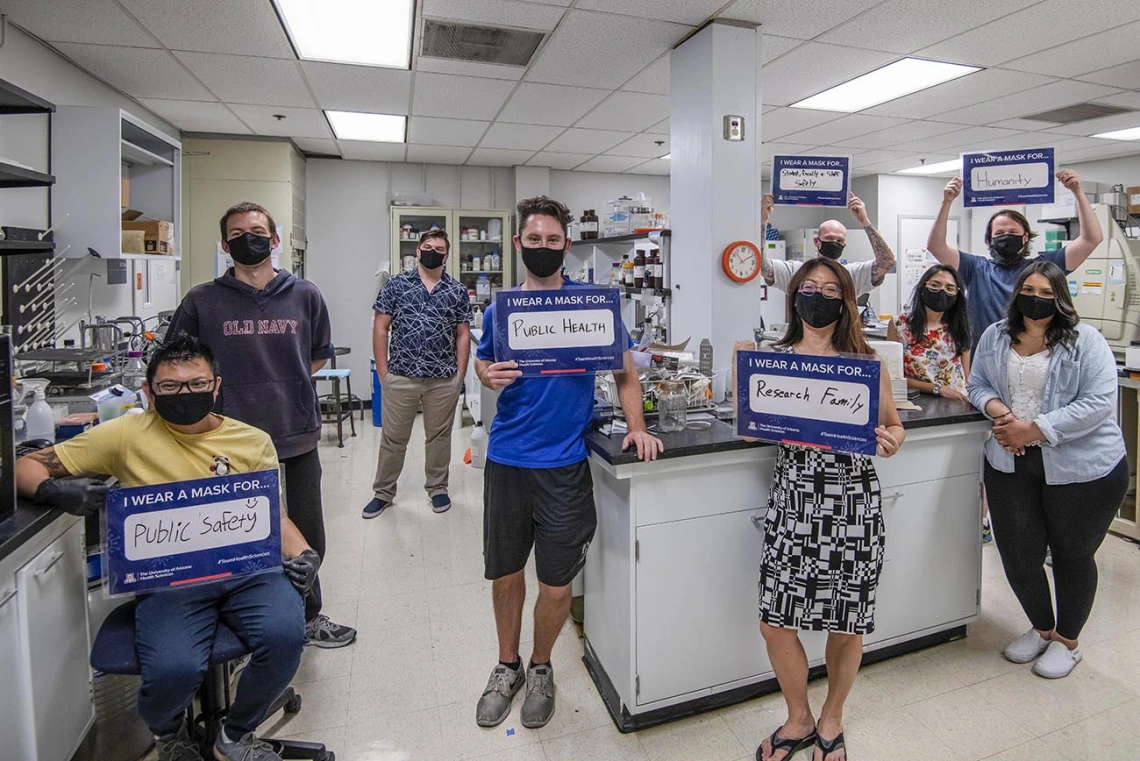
column 180, row 439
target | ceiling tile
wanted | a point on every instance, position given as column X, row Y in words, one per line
column 1125, row 75
column 498, row 157
column 656, row 166
column 1064, row 143
column 892, row 25
column 496, row 13
column 969, row 139
column 630, row 111
column 437, row 154
column 467, row 97
column 1095, row 126
column 98, row 22
column 552, row 105
column 360, row 150
column 959, row 93
column 1025, row 125
column 426, row 130
column 870, row 158
column 790, row 18
column 469, row 68
column 591, row 49
column 519, row 136
column 1113, row 149
column 556, row 160
column 1099, row 51
column 320, row 145
column 1041, row 26
column 593, row 141
column 359, row 88
column 644, row 146
column 812, row 68
column 661, row 128
column 654, row 78
column 196, row 116
column 139, row 72
column 892, row 136
column 772, row 47
column 1018, row 141
column 785, row 121
column 239, row 27
column 906, row 162
column 1129, row 99
column 691, row 12
column 768, row 150
column 1054, row 95
column 242, row 79
column 610, row 164
column 298, row 122
column 843, row 128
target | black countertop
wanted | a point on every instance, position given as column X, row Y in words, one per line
column 27, row 521
column 720, row 437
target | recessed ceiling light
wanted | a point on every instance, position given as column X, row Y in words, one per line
column 361, row 32
column 378, row 128
column 667, row 156
column 939, row 168
column 895, row 80
column 1132, row 133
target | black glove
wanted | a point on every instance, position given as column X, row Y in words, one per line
column 302, row 570
column 78, row 496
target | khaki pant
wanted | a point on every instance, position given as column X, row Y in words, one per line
column 401, row 398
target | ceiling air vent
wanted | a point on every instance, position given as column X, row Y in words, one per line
column 1081, row 112
column 481, row 44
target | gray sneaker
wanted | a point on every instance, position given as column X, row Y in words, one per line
column 321, row 632
column 248, row 748
column 177, row 747
column 538, row 706
column 502, row 687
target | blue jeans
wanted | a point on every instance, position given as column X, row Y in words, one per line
column 174, row 632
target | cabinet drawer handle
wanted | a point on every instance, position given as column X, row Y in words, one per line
column 894, row 496
column 55, row 556
column 757, row 521
column 8, row 595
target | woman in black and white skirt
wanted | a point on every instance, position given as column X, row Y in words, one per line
column 823, row 533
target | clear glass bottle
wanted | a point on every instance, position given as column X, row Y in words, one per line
column 134, row 375
column 673, row 403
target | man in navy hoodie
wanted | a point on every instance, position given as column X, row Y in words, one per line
column 271, row 332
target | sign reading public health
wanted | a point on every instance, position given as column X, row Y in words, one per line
column 571, row 330
column 1007, row 178
column 826, row 402
column 170, row 535
column 811, row 180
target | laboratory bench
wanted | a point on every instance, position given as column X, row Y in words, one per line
column 673, row 568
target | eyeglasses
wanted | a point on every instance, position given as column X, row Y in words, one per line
column 437, row 249
column 198, row 385
column 829, row 291
column 935, row 287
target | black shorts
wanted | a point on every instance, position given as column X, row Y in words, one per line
column 551, row 509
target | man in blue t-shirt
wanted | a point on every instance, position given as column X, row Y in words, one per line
column 537, row 489
column 990, row 280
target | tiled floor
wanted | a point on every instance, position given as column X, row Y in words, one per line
column 411, row 581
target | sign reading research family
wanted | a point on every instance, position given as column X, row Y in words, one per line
column 825, row 402
column 1007, row 178
column 811, row 180
column 571, row 330
column 170, row 535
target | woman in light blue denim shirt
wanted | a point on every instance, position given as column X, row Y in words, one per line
column 1055, row 470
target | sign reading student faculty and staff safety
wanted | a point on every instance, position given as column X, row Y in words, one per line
column 170, row 535
column 1007, row 178
column 825, row 402
column 811, row 180
column 571, row 330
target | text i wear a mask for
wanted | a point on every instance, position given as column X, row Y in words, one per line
column 1035, row 307
column 817, row 310
column 430, row 258
column 938, row 301
column 1007, row 250
column 831, row 249
column 543, row 262
column 184, row 409
column 250, row 249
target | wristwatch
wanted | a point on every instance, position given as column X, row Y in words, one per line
column 938, row 389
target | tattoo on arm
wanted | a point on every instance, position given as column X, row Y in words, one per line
column 50, row 460
column 884, row 257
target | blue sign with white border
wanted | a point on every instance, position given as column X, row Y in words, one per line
column 811, row 180
column 189, row 532
column 825, row 402
column 1008, row 178
column 558, row 332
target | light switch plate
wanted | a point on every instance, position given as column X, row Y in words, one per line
column 734, row 128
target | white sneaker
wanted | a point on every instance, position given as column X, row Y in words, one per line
column 1057, row 662
column 1026, row 647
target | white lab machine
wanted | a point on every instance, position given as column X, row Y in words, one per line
column 1106, row 288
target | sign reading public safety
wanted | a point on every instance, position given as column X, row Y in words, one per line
column 170, row 535
column 1007, row 178
column 570, row 330
column 811, row 180
column 826, row 402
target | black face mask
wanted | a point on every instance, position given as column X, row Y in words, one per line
column 431, row 259
column 543, row 262
column 1007, row 249
column 817, row 310
column 1035, row 307
column 250, row 249
column 184, row 409
column 938, row 301
column 831, row 249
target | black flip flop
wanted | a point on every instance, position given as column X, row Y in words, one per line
column 790, row 745
column 830, row 746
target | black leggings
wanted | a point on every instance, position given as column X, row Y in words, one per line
column 303, row 497
column 1029, row 516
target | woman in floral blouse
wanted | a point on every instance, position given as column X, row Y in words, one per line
column 936, row 335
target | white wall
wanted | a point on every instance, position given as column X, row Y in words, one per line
column 1122, row 171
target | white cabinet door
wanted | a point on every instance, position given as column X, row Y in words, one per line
column 15, row 718
column 53, row 612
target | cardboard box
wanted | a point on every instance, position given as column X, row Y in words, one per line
column 134, row 242
column 156, row 235
column 1133, row 199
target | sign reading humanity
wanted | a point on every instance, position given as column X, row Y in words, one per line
column 171, row 535
column 1007, row 178
column 826, row 402
column 570, row 330
column 811, row 180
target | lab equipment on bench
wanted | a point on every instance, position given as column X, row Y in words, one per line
column 1106, row 287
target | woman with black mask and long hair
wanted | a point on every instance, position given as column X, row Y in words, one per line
column 824, row 577
column 936, row 335
column 1056, row 471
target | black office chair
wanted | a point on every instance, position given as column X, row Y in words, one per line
column 114, row 653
